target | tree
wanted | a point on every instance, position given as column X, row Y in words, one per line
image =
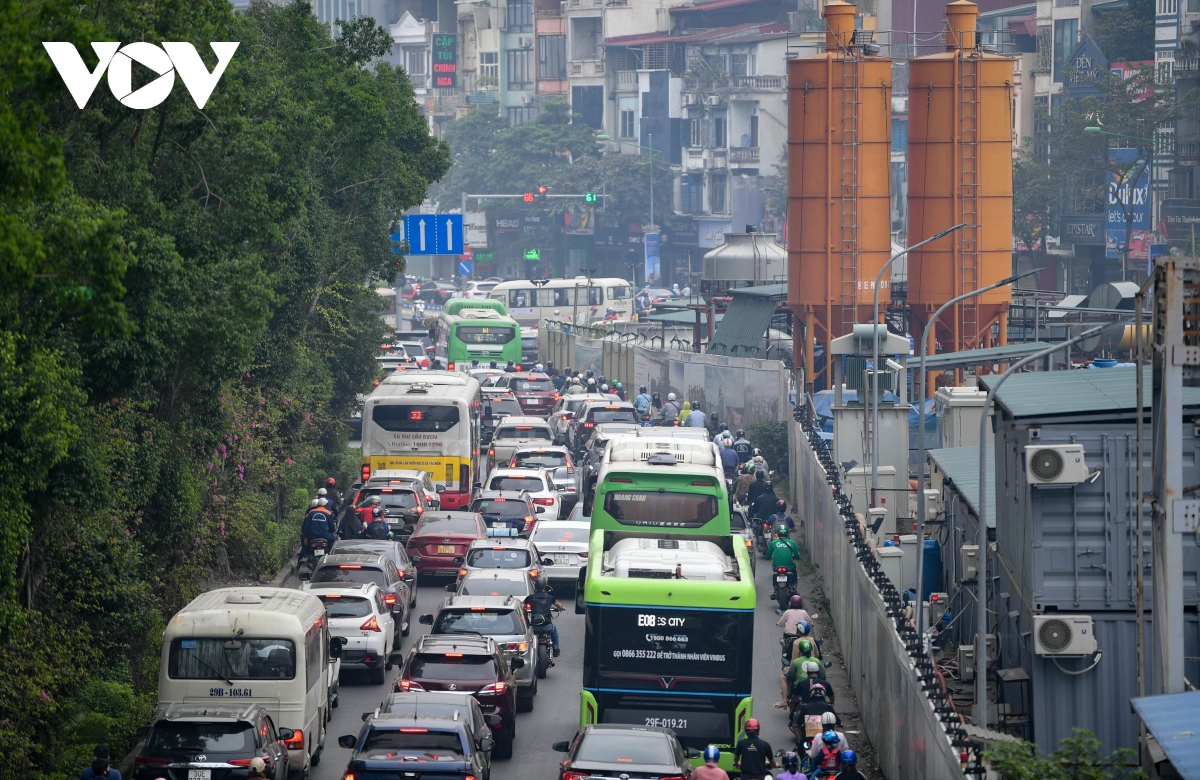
column 1077, row 757
column 1126, row 34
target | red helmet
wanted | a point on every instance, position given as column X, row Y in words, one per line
column 331, row 482
column 752, row 727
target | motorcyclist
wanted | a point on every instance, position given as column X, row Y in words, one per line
column 763, row 504
column 758, row 461
column 541, row 615
column 320, row 524
column 722, row 431
column 335, row 498
column 697, row 419
column 729, row 459
column 744, row 448
column 804, row 689
column 827, row 752
column 795, row 671
column 791, row 767
column 806, row 712
column 656, row 408
column 793, row 616
column 752, row 754
column 364, row 509
column 758, row 486
column 804, row 631
column 710, row 770
column 619, row 389
column 741, row 488
column 780, row 516
column 850, row 767
column 670, row 410
column 641, row 402
column 378, row 527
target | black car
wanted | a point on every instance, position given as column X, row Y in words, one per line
column 422, row 741
column 212, row 740
column 507, row 512
column 360, row 567
column 616, row 750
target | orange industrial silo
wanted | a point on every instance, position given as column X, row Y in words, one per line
column 839, row 182
column 960, row 171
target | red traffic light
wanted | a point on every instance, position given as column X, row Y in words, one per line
column 542, row 190
column 528, row 197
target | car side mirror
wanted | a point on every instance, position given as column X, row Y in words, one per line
column 367, row 715
column 486, row 744
column 477, row 486
column 415, row 559
column 285, row 734
column 541, row 510
column 693, row 753
column 493, row 720
column 335, row 646
column 561, row 747
column 547, row 561
column 440, row 488
column 425, row 620
column 517, row 663
column 450, row 588
column 348, row 741
column 458, row 560
column 305, row 575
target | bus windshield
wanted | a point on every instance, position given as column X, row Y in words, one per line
column 679, row 510
column 484, row 334
column 217, row 658
column 413, row 418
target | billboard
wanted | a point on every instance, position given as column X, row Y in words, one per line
column 1126, row 195
column 445, row 60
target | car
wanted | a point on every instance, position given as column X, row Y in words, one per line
column 441, row 539
column 534, row 481
column 597, row 413
column 566, row 544
column 415, row 351
column 353, row 569
column 614, row 749
column 402, row 504
column 358, row 614
column 514, row 432
column 437, row 293
column 534, row 390
column 502, row 619
column 529, row 346
column 503, row 554
column 557, row 463
column 589, row 463
column 565, row 409
column 740, row 528
column 495, row 582
column 487, row 376
column 506, row 513
column 467, row 663
column 496, row 405
column 392, row 549
column 481, row 289
column 402, row 478
column 395, row 744
column 213, row 740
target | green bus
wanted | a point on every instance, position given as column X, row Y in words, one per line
column 456, row 305
column 669, row 637
column 476, row 333
column 670, row 483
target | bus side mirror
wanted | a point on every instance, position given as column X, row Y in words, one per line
column 580, row 603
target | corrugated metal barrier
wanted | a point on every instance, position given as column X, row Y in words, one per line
column 904, row 712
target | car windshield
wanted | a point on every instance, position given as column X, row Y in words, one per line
column 213, row 658
column 350, row 572
column 561, row 535
column 422, row 744
column 498, row 558
column 532, row 484
column 500, row 507
column 524, row 432
column 202, row 738
column 503, row 405
column 618, row 747
column 540, row 460
column 414, row 350
column 448, row 525
column 612, row 414
column 338, row 606
column 437, row 666
column 488, row 622
column 402, row 499
column 494, row 586
column 532, row 385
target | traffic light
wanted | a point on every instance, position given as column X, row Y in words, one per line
column 541, row 191
column 528, row 197
column 533, row 254
column 589, row 197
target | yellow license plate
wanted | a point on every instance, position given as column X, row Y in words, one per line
column 445, row 549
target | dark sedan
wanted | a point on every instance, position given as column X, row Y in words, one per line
column 616, row 750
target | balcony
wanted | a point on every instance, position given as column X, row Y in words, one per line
column 696, row 159
column 576, row 5
column 1187, row 152
column 741, row 84
column 1187, row 65
column 743, row 156
column 587, row 68
column 627, row 80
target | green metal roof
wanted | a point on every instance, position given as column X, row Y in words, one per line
column 745, row 323
column 1077, row 392
column 961, row 467
column 975, row 357
column 685, row 317
column 762, row 290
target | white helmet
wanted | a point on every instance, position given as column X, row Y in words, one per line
column 539, row 367
column 322, row 501
column 322, row 493
column 313, row 505
column 591, row 381
column 604, row 388
column 670, row 396
column 810, row 667
column 828, row 718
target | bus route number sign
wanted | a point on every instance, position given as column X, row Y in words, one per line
column 445, row 60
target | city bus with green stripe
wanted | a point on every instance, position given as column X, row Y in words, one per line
column 654, row 482
column 669, row 634
column 481, row 333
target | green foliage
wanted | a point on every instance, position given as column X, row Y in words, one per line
column 772, row 439
column 1126, row 34
column 1077, row 757
column 187, row 313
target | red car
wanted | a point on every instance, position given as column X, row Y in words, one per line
column 535, row 392
column 440, row 541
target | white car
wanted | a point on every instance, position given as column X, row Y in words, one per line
column 513, row 433
column 358, row 614
column 564, row 411
column 565, row 543
column 536, row 482
column 477, row 289
column 404, row 477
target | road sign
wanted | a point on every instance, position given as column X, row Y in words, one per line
column 468, row 253
column 434, row 234
column 464, row 268
column 397, row 239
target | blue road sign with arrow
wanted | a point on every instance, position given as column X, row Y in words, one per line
column 434, row 234
column 464, row 267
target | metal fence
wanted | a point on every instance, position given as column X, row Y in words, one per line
column 905, row 713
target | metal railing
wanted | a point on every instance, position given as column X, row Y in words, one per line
column 743, row 154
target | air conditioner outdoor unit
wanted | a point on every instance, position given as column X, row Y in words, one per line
column 1063, row 635
column 1055, row 464
column 689, row 99
column 712, row 100
column 525, row 42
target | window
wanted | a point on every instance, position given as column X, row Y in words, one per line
column 312, row 656
column 753, row 130
column 520, row 68
column 552, row 56
column 410, row 418
column 495, row 622
column 720, row 127
column 429, row 746
column 414, row 61
column 200, row 737
column 340, row 606
column 532, row 484
column 685, row 510
column 716, row 62
column 499, row 558
column 483, row 334
column 520, row 299
column 691, row 195
column 740, row 65
column 719, row 183
column 520, row 16
column 336, row 573
column 697, row 132
column 628, row 109
column 235, row 659
column 1066, row 35
column 489, row 65
column 519, row 115
column 1193, row 6
column 456, row 667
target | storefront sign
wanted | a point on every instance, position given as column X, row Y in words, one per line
column 1134, row 197
column 1082, row 229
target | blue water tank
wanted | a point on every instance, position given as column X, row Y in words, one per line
column 932, row 574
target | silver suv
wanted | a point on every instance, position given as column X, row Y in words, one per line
column 500, row 618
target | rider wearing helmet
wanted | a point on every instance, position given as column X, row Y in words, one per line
column 722, row 431
column 791, row 767
column 784, row 553
column 619, row 390
column 826, row 752
column 850, row 767
column 377, row 528
column 779, row 514
column 753, row 755
column 335, row 498
column 641, row 403
column 803, row 651
column 540, row 608
column 670, row 410
column 743, row 447
column 806, row 688
column 711, row 770
column 741, row 490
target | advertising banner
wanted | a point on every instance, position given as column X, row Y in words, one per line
column 1134, row 197
column 653, row 264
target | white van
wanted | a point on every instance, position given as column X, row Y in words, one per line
column 269, row 646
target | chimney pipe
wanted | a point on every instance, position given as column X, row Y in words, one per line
column 839, row 25
column 961, row 17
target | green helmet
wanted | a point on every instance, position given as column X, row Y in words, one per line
column 782, row 529
column 806, row 647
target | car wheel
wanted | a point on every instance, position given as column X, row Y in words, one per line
column 405, row 630
column 525, row 697
column 378, row 676
column 316, row 759
column 504, row 746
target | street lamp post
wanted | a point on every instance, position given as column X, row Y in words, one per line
column 1128, row 232
column 874, row 399
column 921, row 509
column 981, row 623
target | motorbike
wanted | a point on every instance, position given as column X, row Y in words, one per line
column 784, row 587
column 317, row 549
column 545, row 650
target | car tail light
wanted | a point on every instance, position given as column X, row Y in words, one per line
column 544, row 501
column 582, row 554
column 296, row 742
column 575, row 776
column 518, row 366
column 570, row 469
column 589, row 425
column 516, row 647
column 239, row 761
column 372, row 624
column 462, row 572
column 349, row 565
column 366, row 472
column 425, row 362
column 492, row 453
column 621, row 479
column 419, row 510
column 400, row 572
column 387, row 490
column 409, row 685
column 348, row 776
column 414, row 731
column 389, row 599
column 528, row 522
column 450, row 366
column 152, row 761
column 704, row 483
column 673, row 777
column 494, row 689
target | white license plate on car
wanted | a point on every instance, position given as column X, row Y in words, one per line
column 199, row 774
column 561, row 558
column 501, row 530
column 316, row 554
column 781, row 578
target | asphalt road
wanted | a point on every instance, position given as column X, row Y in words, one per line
column 556, row 712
